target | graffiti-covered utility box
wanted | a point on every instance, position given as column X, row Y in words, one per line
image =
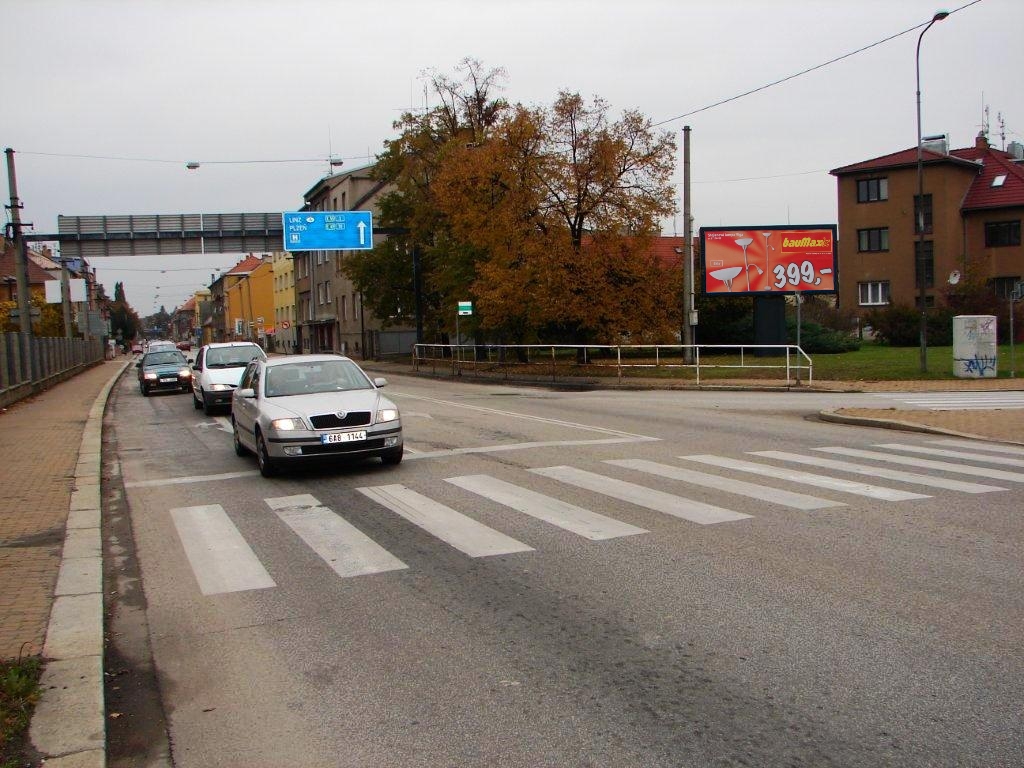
column 974, row 346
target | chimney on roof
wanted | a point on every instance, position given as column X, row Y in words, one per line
column 981, row 142
column 939, row 143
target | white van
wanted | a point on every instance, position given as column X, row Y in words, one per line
column 218, row 369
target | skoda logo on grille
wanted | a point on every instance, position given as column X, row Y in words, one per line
column 341, row 415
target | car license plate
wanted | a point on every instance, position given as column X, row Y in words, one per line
column 343, row 437
column 168, row 379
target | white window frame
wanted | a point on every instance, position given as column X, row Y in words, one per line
column 873, row 293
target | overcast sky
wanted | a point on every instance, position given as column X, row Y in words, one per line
column 164, row 83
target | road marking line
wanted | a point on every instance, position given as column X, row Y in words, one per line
column 189, row 479
column 806, row 478
column 583, row 522
column 676, row 506
column 1014, row 450
column 347, row 550
column 947, row 466
column 1001, row 460
column 528, row 417
column 221, row 559
column 522, row 447
column 224, row 424
column 728, row 484
column 461, row 532
column 889, row 474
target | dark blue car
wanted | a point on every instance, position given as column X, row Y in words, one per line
column 167, row 370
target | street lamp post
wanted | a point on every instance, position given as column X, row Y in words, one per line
column 919, row 213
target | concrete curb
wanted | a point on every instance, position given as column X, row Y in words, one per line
column 904, row 426
column 69, row 724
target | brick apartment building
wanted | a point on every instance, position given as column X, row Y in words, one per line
column 973, row 206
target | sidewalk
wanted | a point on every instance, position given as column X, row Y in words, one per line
column 50, row 557
column 50, row 544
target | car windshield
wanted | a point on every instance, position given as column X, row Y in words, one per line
column 232, row 357
column 165, row 358
column 308, row 377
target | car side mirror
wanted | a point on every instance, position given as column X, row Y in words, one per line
column 247, row 392
column 190, row 361
column 380, row 381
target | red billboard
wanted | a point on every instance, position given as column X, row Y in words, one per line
column 772, row 259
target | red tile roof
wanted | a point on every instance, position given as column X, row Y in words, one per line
column 987, row 162
column 36, row 274
column 247, row 265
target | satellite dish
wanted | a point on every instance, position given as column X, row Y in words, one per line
column 954, row 277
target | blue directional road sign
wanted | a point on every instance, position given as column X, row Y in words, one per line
column 327, row 230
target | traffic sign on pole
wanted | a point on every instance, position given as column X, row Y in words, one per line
column 328, row 230
column 465, row 307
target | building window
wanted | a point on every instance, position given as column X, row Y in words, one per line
column 320, row 293
column 924, row 261
column 327, row 292
column 873, row 239
column 872, row 190
column 927, row 211
column 1001, row 233
column 873, row 293
column 1003, row 286
column 355, row 314
column 343, row 310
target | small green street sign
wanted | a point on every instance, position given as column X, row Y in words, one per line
column 465, row 307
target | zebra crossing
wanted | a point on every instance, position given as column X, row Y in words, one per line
column 956, row 401
column 223, row 561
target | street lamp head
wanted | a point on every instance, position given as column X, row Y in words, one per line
column 940, row 15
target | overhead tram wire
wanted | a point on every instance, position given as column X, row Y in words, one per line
column 805, row 71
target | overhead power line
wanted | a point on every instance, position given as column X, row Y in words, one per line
column 805, row 71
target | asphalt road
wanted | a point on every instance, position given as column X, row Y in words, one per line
column 716, row 610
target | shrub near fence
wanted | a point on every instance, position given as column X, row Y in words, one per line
column 52, row 360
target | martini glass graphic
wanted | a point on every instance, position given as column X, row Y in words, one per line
column 767, row 250
column 743, row 242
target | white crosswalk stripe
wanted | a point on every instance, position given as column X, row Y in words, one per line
column 221, row 559
column 942, row 466
column 949, row 454
column 821, row 481
column 728, row 484
column 889, row 474
column 978, row 445
column 347, row 550
column 569, row 517
column 461, row 532
column 659, row 501
column 956, row 401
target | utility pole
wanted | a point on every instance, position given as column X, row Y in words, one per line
column 21, row 271
column 65, row 296
column 688, row 310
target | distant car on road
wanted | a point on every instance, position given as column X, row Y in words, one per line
column 164, row 370
column 160, row 346
column 217, row 371
column 137, row 348
column 307, row 408
column 185, row 346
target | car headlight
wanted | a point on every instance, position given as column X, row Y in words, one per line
column 185, row 373
column 151, row 376
column 387, row 414
column 287, row 425
column 220, row 387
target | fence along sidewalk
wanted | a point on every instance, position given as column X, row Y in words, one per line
column 48, row 360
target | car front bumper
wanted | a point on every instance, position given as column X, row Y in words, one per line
column 309, row 446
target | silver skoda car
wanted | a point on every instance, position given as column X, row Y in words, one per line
column 302, row 408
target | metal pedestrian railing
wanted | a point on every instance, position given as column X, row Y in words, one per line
column 26, row 369
column 566, row 361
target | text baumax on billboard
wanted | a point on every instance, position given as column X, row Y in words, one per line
column 769, row 259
